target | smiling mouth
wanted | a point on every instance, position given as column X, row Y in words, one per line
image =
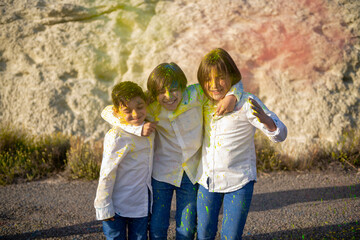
column 216, row 91
column 137, row 119
column 170, row 102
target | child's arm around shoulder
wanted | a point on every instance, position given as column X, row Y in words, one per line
column 265, row 120
column 227, row 104
column 109, row 115
column 115, row 149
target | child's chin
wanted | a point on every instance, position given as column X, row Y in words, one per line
column 171, row 107
column 216, row 98
column 137, row 123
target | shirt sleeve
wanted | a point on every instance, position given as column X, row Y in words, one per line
column 236, row 90
column 279, row 134
column 115, row 149
column 109, row 115
column 194, row 93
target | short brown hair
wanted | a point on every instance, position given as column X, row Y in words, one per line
column 223, row 63
column 164, row 75
column 123, row 92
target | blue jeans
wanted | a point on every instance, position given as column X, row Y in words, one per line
column 116, row 230
column 236, row 208
column 185, row 217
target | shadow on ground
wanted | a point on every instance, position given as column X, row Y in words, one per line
column 341, row 231
column 260, row 202
column 275, row 200
column 78, row 229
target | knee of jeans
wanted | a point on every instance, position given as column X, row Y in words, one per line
column 160, row 229
column 157, row 233
column 111, row 232
column 206, row 234
column 185, row 233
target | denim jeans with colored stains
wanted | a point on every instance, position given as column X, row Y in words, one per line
column 116, row 230
column 236, row 208
column 185, row 216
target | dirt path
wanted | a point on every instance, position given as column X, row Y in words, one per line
column 284, row 206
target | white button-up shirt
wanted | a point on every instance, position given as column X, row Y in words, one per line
column 228, row 153
column 179, row 134
column 125, row 175
column 178, row 141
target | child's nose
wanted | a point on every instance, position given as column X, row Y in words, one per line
column 167, row 94
column 212, row 83
column 135, row 113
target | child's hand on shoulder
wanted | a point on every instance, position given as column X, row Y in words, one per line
column 226, row 105
column 148, row 128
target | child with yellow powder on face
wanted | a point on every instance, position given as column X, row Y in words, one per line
column 179, row 134
column 123, row 195
column 227, row 171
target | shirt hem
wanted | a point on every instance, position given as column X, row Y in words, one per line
column 232, row 189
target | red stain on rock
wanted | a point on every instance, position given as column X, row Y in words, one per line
column 288, row 43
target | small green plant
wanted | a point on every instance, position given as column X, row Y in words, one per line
column 84, row 159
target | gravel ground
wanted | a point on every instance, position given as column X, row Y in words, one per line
column 314, row 205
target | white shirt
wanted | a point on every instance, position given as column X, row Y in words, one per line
column 179, row 134
column 125, row 175
column 178, row 142
column 228, row 153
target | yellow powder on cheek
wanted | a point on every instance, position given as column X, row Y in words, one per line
column 121, row 116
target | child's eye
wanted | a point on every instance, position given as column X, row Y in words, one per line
column 219, row 77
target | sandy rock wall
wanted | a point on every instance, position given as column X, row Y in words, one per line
column 60, row 59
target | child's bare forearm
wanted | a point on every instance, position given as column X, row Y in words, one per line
column 226, row 105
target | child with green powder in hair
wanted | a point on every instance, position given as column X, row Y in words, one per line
column 227, row 170
column 178, row 111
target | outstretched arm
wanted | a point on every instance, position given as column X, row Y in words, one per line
column 261, row 115
column 265, row 120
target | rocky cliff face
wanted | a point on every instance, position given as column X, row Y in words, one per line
column 60, row 59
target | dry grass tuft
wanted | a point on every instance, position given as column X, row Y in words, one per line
column 84, row 158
